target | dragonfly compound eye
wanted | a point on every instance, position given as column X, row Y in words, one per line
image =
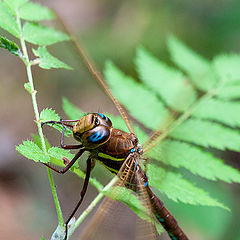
column 96, row 136
column 104, row 120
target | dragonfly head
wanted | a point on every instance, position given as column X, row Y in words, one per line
column 92, row 130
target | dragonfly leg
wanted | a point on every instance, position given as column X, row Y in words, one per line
column 82, row 194
column 79, row 153
column 62, row 122
column 63, row 145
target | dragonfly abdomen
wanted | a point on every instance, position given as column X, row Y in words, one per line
column 165, row 218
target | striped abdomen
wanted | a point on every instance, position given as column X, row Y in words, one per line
column 169, row 223
column 161, row 213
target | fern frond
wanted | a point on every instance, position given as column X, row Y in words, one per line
column 207, row 134
column 139, row 101
column 206, row 120
column 229, row 92
column 70, row 110
column 171, row 85
column 199, row 162
column 197, row 68
column 226, row 112
column 227, row 68
column 179, row 189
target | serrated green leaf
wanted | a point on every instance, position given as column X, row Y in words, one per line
column 35, row 12
column 219, row 110
column 42, row 35
column 179, row 189
column 36, row 140
column 70, row 110
column 136, row 98
column 11, row 46
column 194, row 159
column 15, row 4
column 30, row 150
column 199, row 69
column 59, row 153
column 27, row 86
column 207, row 134
column 50, row 115
column 227, row 67
column 47, row 61
column 8, row 22
column 171, row 85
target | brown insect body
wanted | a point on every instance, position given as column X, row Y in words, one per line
column 109, row 145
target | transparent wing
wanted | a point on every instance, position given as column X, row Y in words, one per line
column 112, row 221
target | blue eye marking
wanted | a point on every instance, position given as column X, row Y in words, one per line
column 145, row 184
column 161, row 219
column 102, row 116
column 132, row 150
column 96, row 136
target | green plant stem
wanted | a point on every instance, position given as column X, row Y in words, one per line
column 37, row 116
column 94, row 202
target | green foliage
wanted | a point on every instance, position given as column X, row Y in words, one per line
column 50, row 115
column 27, row 86
column 47, row 61
column 35, row 12
column 207, row 134
column 193, row 158
column 30, row 150
column 206, row 120
column 9, row 45
column 227, row 68
column 154, row 73
column 8, row 22
column 203, row 96
column 57, row 155
column 154, row 110
column 13, row 13
column 198, row 69
column 71, row 111
column 42, row 35
column 222, row 111
column 179, row 189
column 37, row 140
column 14, row 5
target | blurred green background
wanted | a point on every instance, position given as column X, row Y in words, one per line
column 109, row 30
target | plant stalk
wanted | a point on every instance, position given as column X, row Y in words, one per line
column 94, row 202
column 37, row 117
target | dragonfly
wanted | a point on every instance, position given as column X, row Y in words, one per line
column 121, row 153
